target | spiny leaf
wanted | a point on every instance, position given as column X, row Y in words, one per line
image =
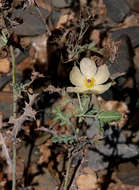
column 109, row 116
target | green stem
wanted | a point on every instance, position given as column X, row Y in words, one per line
column 95, row 101
column 14, row 115
column 79, row 99
column 13, row 81
column 84, row 115
column 67, row 174
column 74, row 130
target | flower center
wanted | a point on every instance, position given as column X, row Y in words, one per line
column 89, row 82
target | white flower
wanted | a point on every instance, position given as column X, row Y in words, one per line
column 89, row 78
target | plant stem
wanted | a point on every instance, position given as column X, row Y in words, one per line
column 13, row 81
column 79, row 99
column 67, row 174
column 85, row 115
column 14, row 115
column 14, row 165
column 74, row 130
column 95, row 101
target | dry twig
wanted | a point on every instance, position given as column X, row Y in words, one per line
column 28, row 113
column 5, row 150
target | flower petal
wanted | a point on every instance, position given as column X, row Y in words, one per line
column 99, row 89
column 76, row 77
column 76, row 89
column 102, row 74
column 88, row 67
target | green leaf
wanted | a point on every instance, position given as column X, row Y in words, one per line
column 92, row 112
column 85, row 100
column 91, row 45
column 109, row 116
column 62, row 117
column 65, row 139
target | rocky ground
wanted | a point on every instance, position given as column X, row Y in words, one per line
column 48, row 37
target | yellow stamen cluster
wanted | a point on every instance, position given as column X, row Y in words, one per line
column 89, row 82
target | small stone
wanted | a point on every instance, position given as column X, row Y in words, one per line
column 131, row 32
column 87, row 180
column 44, row 181
column 123, row 62
column 136, row 62
column 134, row 4
column 128, row 173
column 6, row 101
column 114, row 145
column 61, row 3
column 33, row 24
column 4, row 65
column 117, row 10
